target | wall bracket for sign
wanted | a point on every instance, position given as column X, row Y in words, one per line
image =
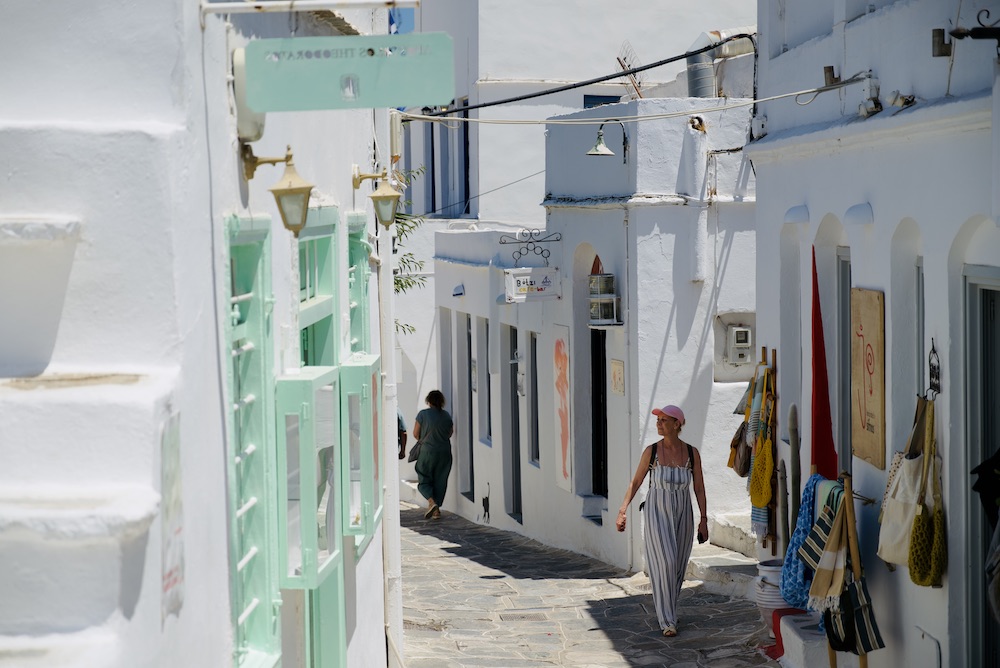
column 529, row 240
column 934, row 366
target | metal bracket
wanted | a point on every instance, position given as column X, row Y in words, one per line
column 529, row 240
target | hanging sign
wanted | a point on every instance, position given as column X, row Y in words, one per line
column 362, row 72
column 531, row 284
column 868, row 375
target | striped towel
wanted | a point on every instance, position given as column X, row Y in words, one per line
column 825, row 550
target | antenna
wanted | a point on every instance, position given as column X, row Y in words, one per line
column 627, row 60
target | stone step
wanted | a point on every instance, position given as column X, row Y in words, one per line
column 72, row 555
column 94, row 648
column 806, row 646
column 108, row 428
column 722, row 571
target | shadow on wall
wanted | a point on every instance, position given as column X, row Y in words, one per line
column 35, row 261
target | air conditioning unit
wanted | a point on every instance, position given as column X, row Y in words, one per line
column 739, row 345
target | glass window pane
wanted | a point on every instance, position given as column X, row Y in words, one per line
column 355, row 519
column 293, row 525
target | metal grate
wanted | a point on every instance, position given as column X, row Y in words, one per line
column 523, row 616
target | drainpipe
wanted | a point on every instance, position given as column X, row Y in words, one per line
column 391, row 543
column 628, row 404
column 701, row 66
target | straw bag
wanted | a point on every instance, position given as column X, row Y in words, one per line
column 904, row 494
column 928, row 558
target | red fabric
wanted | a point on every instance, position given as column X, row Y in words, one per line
column 777, row 650
column 824, row 452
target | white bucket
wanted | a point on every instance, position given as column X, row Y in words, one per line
column 767, row 587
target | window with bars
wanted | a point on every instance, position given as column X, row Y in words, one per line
column 252, row 491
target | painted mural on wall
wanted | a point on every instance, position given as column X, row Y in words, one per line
column 560, row 363
column 868, row 375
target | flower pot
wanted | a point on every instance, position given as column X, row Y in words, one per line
column 35, row 261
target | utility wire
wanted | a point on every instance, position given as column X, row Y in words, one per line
column 466, row 201
column 812, row 92
column 581, row 84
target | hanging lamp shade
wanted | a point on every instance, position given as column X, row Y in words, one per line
column 600, row 148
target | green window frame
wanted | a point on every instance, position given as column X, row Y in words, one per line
column 359, row 250
column 309, row 476
column 254, row 587
column 361, row 434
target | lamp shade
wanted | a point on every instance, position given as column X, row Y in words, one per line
column 600, row 148
column 291, row 193
column 386, row 199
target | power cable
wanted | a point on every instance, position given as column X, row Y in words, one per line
column 448, row 206
column 588, row 82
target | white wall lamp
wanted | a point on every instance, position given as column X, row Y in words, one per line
column 385, row 198
column 600, row 148
column 291, row 192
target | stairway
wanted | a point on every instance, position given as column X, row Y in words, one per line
column 77, row 500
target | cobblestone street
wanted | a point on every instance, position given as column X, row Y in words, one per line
column 478, row 596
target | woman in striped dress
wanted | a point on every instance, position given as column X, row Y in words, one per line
column 673, row 466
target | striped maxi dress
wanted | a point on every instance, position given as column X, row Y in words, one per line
column 669, row 534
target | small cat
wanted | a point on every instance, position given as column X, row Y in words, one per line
column 486, row 505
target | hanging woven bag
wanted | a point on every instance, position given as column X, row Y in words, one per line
column 763, row 464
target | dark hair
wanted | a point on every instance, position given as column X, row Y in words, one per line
column 436, row 399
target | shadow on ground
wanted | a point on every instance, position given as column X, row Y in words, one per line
column 506, row 551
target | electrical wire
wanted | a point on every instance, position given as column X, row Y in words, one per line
column 814, row 92
column 588, row 82
column 466, row 201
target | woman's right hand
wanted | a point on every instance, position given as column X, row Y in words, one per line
column 620, row 522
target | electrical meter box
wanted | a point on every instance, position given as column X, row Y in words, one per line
column 739, row 345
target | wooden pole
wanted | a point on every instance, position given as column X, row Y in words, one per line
column 852, row 543
column 795, row 461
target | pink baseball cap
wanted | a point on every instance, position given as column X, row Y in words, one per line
column 670, row 411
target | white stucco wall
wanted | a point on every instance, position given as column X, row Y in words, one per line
column 123, row 120
column 927, row 174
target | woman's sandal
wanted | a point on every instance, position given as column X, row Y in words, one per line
column 670, row 631
column 430, row 511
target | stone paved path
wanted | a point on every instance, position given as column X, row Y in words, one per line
column 478, row 596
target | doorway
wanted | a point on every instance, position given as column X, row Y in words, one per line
column 514, row 441
column 982, row 442
column 599, row 412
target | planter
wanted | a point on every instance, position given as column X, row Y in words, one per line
column 768, row 591
column 35, row 261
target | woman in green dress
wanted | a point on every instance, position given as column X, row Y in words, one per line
column 433, row 428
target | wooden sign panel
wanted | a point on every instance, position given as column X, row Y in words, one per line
column 868, row 375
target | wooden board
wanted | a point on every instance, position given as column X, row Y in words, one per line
column 868, row 375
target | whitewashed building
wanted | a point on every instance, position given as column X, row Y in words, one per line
column 553, row 398
column 479, row 172
column 892, row 180
column 173, row 361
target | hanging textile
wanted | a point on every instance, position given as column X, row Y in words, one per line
column 796, row 575
column 825, row 550
column 824, row 452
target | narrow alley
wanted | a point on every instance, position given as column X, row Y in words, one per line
column 478, row 596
